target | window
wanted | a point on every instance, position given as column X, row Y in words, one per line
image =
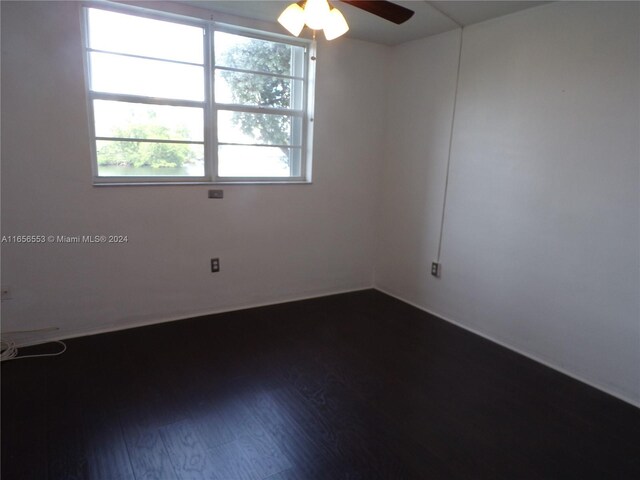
column 178, row 102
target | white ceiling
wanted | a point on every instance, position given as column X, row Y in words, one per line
column 430, row 18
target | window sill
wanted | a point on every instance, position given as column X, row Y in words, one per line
column 183, row 184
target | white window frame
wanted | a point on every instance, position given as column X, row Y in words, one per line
column 209, row 105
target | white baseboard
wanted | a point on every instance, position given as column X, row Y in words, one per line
column 67, row 334
column 530, row 356
column 25, row 340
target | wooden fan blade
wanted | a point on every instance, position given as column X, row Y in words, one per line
column 389, row 11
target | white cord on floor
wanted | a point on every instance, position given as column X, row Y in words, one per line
column 9, row 350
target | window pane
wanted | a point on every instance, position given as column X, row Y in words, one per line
column 149, row 78
column 246, row 53
column 138, row 120
column 122, row 158
column 258, row 90
column 257, row 128
column 244, row 161
column 117, row 32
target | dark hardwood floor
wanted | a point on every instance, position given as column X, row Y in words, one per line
column 353, row 386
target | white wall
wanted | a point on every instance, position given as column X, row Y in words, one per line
column 541, row 239
column 541, row 246
column 275, row 242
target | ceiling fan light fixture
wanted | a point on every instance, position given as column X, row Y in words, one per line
column 292, row 18
column 335, row 25
column 316, row 13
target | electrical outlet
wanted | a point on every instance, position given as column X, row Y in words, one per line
column 6, row 293
column 435, row 269
column 216, row 193
column 215, row 265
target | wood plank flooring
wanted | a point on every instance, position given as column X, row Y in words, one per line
column 352, row 386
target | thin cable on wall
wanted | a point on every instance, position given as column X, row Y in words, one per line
column 453, row 121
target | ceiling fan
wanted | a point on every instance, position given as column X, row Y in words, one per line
column 321, row 15
column 388, row 10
